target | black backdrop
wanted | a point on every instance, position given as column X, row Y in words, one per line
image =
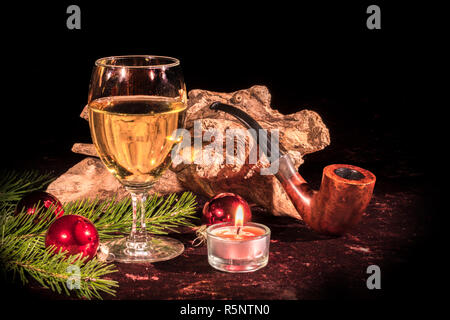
column 318, row 55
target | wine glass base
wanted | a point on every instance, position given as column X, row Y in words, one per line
column 160, row 249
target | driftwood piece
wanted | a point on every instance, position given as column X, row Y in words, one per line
column 301, row 133
column 89, row 179
column 87, row 149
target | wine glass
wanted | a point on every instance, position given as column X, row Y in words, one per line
column 135, row 105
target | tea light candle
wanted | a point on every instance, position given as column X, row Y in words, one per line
column 238, row 247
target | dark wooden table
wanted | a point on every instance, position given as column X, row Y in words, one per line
column 302, row 264
column 393, row 234
column 396, row 233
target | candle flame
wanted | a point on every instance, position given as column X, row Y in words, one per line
column 239, row 217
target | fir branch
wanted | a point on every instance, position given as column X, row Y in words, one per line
column 113, row 218
column 24, row 225
column 22, row 247
column 55, row 270
column 22, row 237
column 14, row 184
column 23, row 252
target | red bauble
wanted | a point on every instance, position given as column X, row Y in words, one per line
column 36, row 199
column 74, row 234
column 223, row 207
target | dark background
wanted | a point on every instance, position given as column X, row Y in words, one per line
column 317, row 55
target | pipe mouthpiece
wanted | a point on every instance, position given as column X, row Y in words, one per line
column 249, row 123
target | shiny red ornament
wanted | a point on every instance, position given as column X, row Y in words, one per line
column 74, row 234
column 36, row 199
column 223, row 207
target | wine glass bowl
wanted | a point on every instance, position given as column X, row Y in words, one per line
column 135, row 105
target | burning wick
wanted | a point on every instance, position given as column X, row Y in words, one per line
column 239, row 219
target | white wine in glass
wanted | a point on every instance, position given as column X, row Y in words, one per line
column 135, row 105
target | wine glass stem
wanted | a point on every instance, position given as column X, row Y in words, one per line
column 138, row 232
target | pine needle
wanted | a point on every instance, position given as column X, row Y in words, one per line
column 55, row 270
column 14, row 185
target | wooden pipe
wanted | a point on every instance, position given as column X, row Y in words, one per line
column 343, row 196
column 340, row 202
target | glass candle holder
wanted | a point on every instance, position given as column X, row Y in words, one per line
column 236, row 251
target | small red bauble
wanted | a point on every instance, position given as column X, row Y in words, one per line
column 223, row 207
column 74, row 234
column 38, row 199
